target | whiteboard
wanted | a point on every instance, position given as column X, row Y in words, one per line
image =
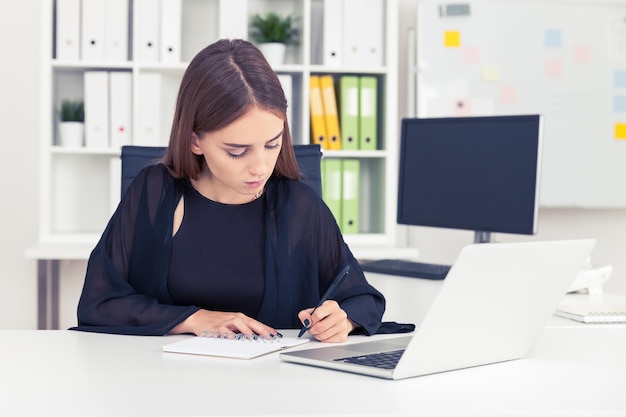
column 565, row 60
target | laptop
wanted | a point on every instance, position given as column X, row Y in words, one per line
column 492, row 307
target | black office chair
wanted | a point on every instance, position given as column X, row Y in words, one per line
column 135, row 158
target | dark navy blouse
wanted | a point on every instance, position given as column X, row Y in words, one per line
column 127, row 287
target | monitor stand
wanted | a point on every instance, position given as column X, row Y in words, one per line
column 482, row 237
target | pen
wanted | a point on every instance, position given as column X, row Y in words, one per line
column 330, row 292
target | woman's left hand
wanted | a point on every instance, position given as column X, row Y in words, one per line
column 328, row 323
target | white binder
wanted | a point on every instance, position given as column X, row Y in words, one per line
column 333, row 33
column 234, row 17
column 363, row 33
column 92, row 30
column 116, row 30
column 171, row 16
column 96, row 88
column 120, row 105
column 149, row 110
column 148, row 22
column 68, row 30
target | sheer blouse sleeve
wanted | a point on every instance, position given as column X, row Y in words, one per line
column 125, row 288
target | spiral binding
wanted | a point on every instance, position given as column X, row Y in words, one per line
column 606, row 317
column 238, row 337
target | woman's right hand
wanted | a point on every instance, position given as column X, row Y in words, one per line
column 222, row 322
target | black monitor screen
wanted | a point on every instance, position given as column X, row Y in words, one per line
column 473, row 173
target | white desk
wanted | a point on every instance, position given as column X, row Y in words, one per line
column 571, row 371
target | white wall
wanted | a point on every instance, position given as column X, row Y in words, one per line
column 19, row 100
column 19, row 107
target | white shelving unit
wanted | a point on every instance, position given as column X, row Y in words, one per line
column 75, row 184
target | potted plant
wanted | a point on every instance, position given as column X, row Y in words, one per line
column 71, row 123
column 273, row 33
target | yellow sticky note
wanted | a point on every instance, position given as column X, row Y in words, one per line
column 620, row 130
column 490, row 73
column 452, row 39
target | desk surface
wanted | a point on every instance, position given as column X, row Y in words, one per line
column 578, row 370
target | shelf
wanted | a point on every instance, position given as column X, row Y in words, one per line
column 355, row 154
column 61, row 150
column 77, row 185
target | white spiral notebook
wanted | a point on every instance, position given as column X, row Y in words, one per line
column 232, row 346
column 603, row 313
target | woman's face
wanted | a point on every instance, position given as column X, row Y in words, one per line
column 240, row 158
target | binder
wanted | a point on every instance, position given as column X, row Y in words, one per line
column 235, row 12
column 92, row 30
column 331, row 186
column 332, row 37
column 350, row 195
column 96, row 89
column 350, row 183
column 68, row 30
column 149, row 110
column 329, row 100
column 171, row 21
column 363, row 33
column 148, row 21
column 318, row 125
column 120, row 108
column 116, row 30
column 349, row 111
column 368, row 113
column 286, row 82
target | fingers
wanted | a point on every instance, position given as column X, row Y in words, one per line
column 328, row 323
column 227, row 322
column 240, row 323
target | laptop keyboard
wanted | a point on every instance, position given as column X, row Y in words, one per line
column 383, row 360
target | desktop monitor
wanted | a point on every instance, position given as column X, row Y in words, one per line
column 472, row 173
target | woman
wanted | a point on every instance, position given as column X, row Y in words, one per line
column 221, row 236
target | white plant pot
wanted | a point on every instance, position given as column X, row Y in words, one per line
column 71, row 134
column 274, row 52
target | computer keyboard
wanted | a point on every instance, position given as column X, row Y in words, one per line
column 407, row 268
column 384, row 360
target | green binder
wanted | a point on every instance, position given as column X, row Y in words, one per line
column 348, row 90
column 350, row 200
column 368, row 114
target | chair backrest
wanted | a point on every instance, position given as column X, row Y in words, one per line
column 135, row 158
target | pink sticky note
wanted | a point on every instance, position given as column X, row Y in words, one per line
column 508, row 94
column 582, row 54
column 554, row 68
column 471, row 55
column 462, row 107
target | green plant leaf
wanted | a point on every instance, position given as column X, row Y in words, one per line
column 72, row 111
column 273, row 28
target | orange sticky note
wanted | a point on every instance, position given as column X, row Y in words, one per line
column 620, row 130
column 452, row 39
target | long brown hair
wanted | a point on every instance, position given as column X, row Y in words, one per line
column 222, row 83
